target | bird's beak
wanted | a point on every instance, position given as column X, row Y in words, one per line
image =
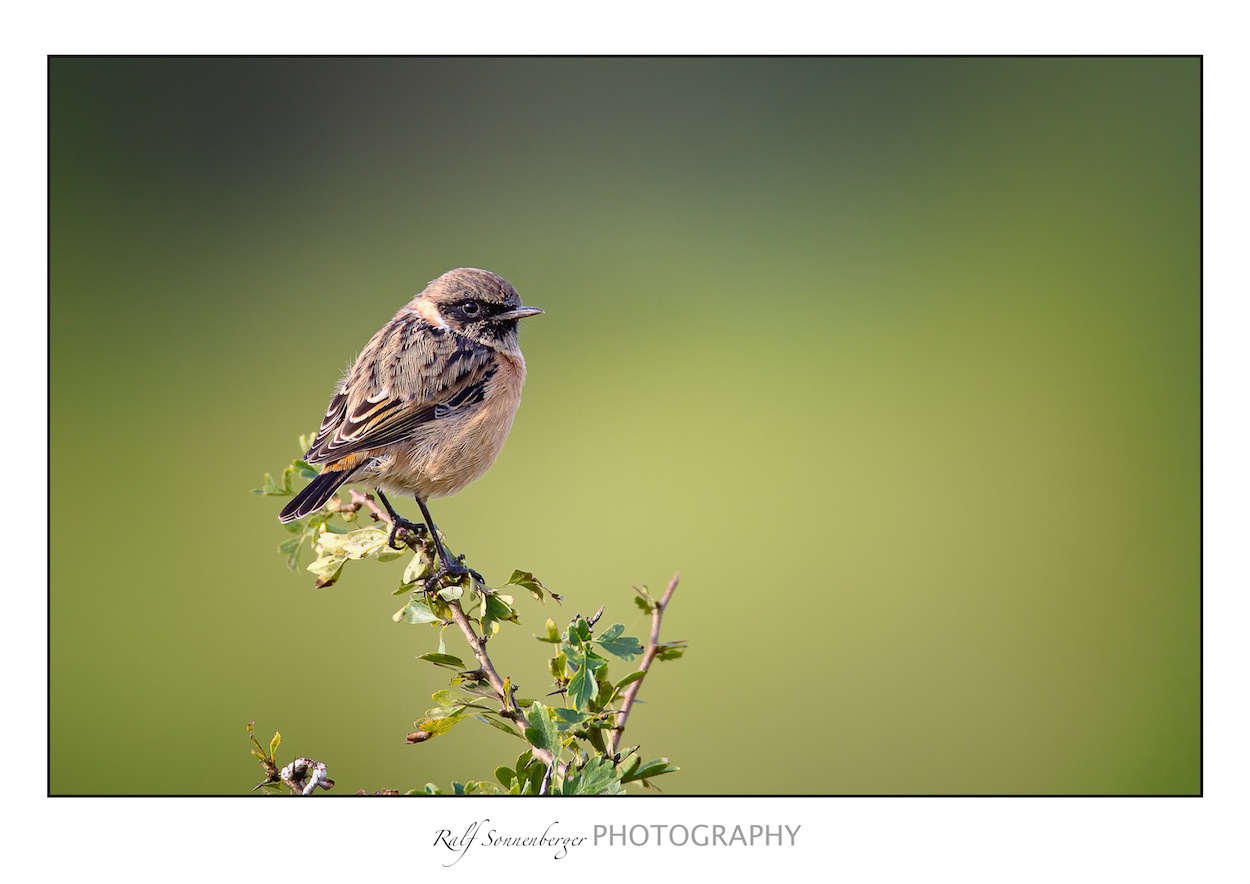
column 519, row 313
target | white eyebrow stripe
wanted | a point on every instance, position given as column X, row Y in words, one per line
column 427, row 311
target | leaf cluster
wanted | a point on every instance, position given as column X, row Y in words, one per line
column 572, row 733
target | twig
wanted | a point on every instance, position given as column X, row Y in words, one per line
column 492, row 676
column 366, row 500
column 653, row 648
column 477, row 643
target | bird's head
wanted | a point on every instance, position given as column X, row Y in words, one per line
column 475, row 303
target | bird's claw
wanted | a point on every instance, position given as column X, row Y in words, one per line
column 403, row 525
column 456, row 570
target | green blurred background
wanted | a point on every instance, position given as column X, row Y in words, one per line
column 897, row 360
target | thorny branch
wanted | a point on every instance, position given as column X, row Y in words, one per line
column 510, row 707
column 653, row 648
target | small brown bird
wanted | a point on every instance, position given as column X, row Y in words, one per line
column 427, row 405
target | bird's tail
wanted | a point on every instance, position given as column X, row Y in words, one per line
column 315, row 494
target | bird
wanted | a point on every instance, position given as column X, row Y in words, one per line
column 427, row 405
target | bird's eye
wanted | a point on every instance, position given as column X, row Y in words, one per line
column 470, row 308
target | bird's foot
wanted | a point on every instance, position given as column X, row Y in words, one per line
column 401, row 526
column 456, row 569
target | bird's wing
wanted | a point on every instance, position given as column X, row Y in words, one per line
column 408, row 376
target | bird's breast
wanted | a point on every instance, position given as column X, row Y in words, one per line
column 458, row 449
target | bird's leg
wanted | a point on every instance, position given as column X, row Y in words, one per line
column 398, row 522
column 448, row 567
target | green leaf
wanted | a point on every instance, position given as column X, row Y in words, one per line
column 386, row 554
column 630, row 679
column 476, row 688
column 524, row 760
column 567, row 718
column 475, row 787
column 419, row 568
column 498, row 610
column 553, row 633
column 500, row 607
column 270, row 488
column 297, row 467
column 327, row 569
column 580, row 631
column 416, row 611
column 542, row 732
column 452, row 708
column 451, row 593
column 275, row 743
column 505, row 775
column 439, row 725
column 650, row 769
column 582, row 686
column 447, row 697
column 447, row 661
column 291, row 549
column 606, row 689
column 530, row 772
column 335, row 550
column 353, row 545
column 624, row 646
column 499, row 725
column 440, row 608
column 598, row 777
column 529, row 581
column 532, row 782
column 670, row 650
column 628, row 766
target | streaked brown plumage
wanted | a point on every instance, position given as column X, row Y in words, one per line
column 428, row 404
